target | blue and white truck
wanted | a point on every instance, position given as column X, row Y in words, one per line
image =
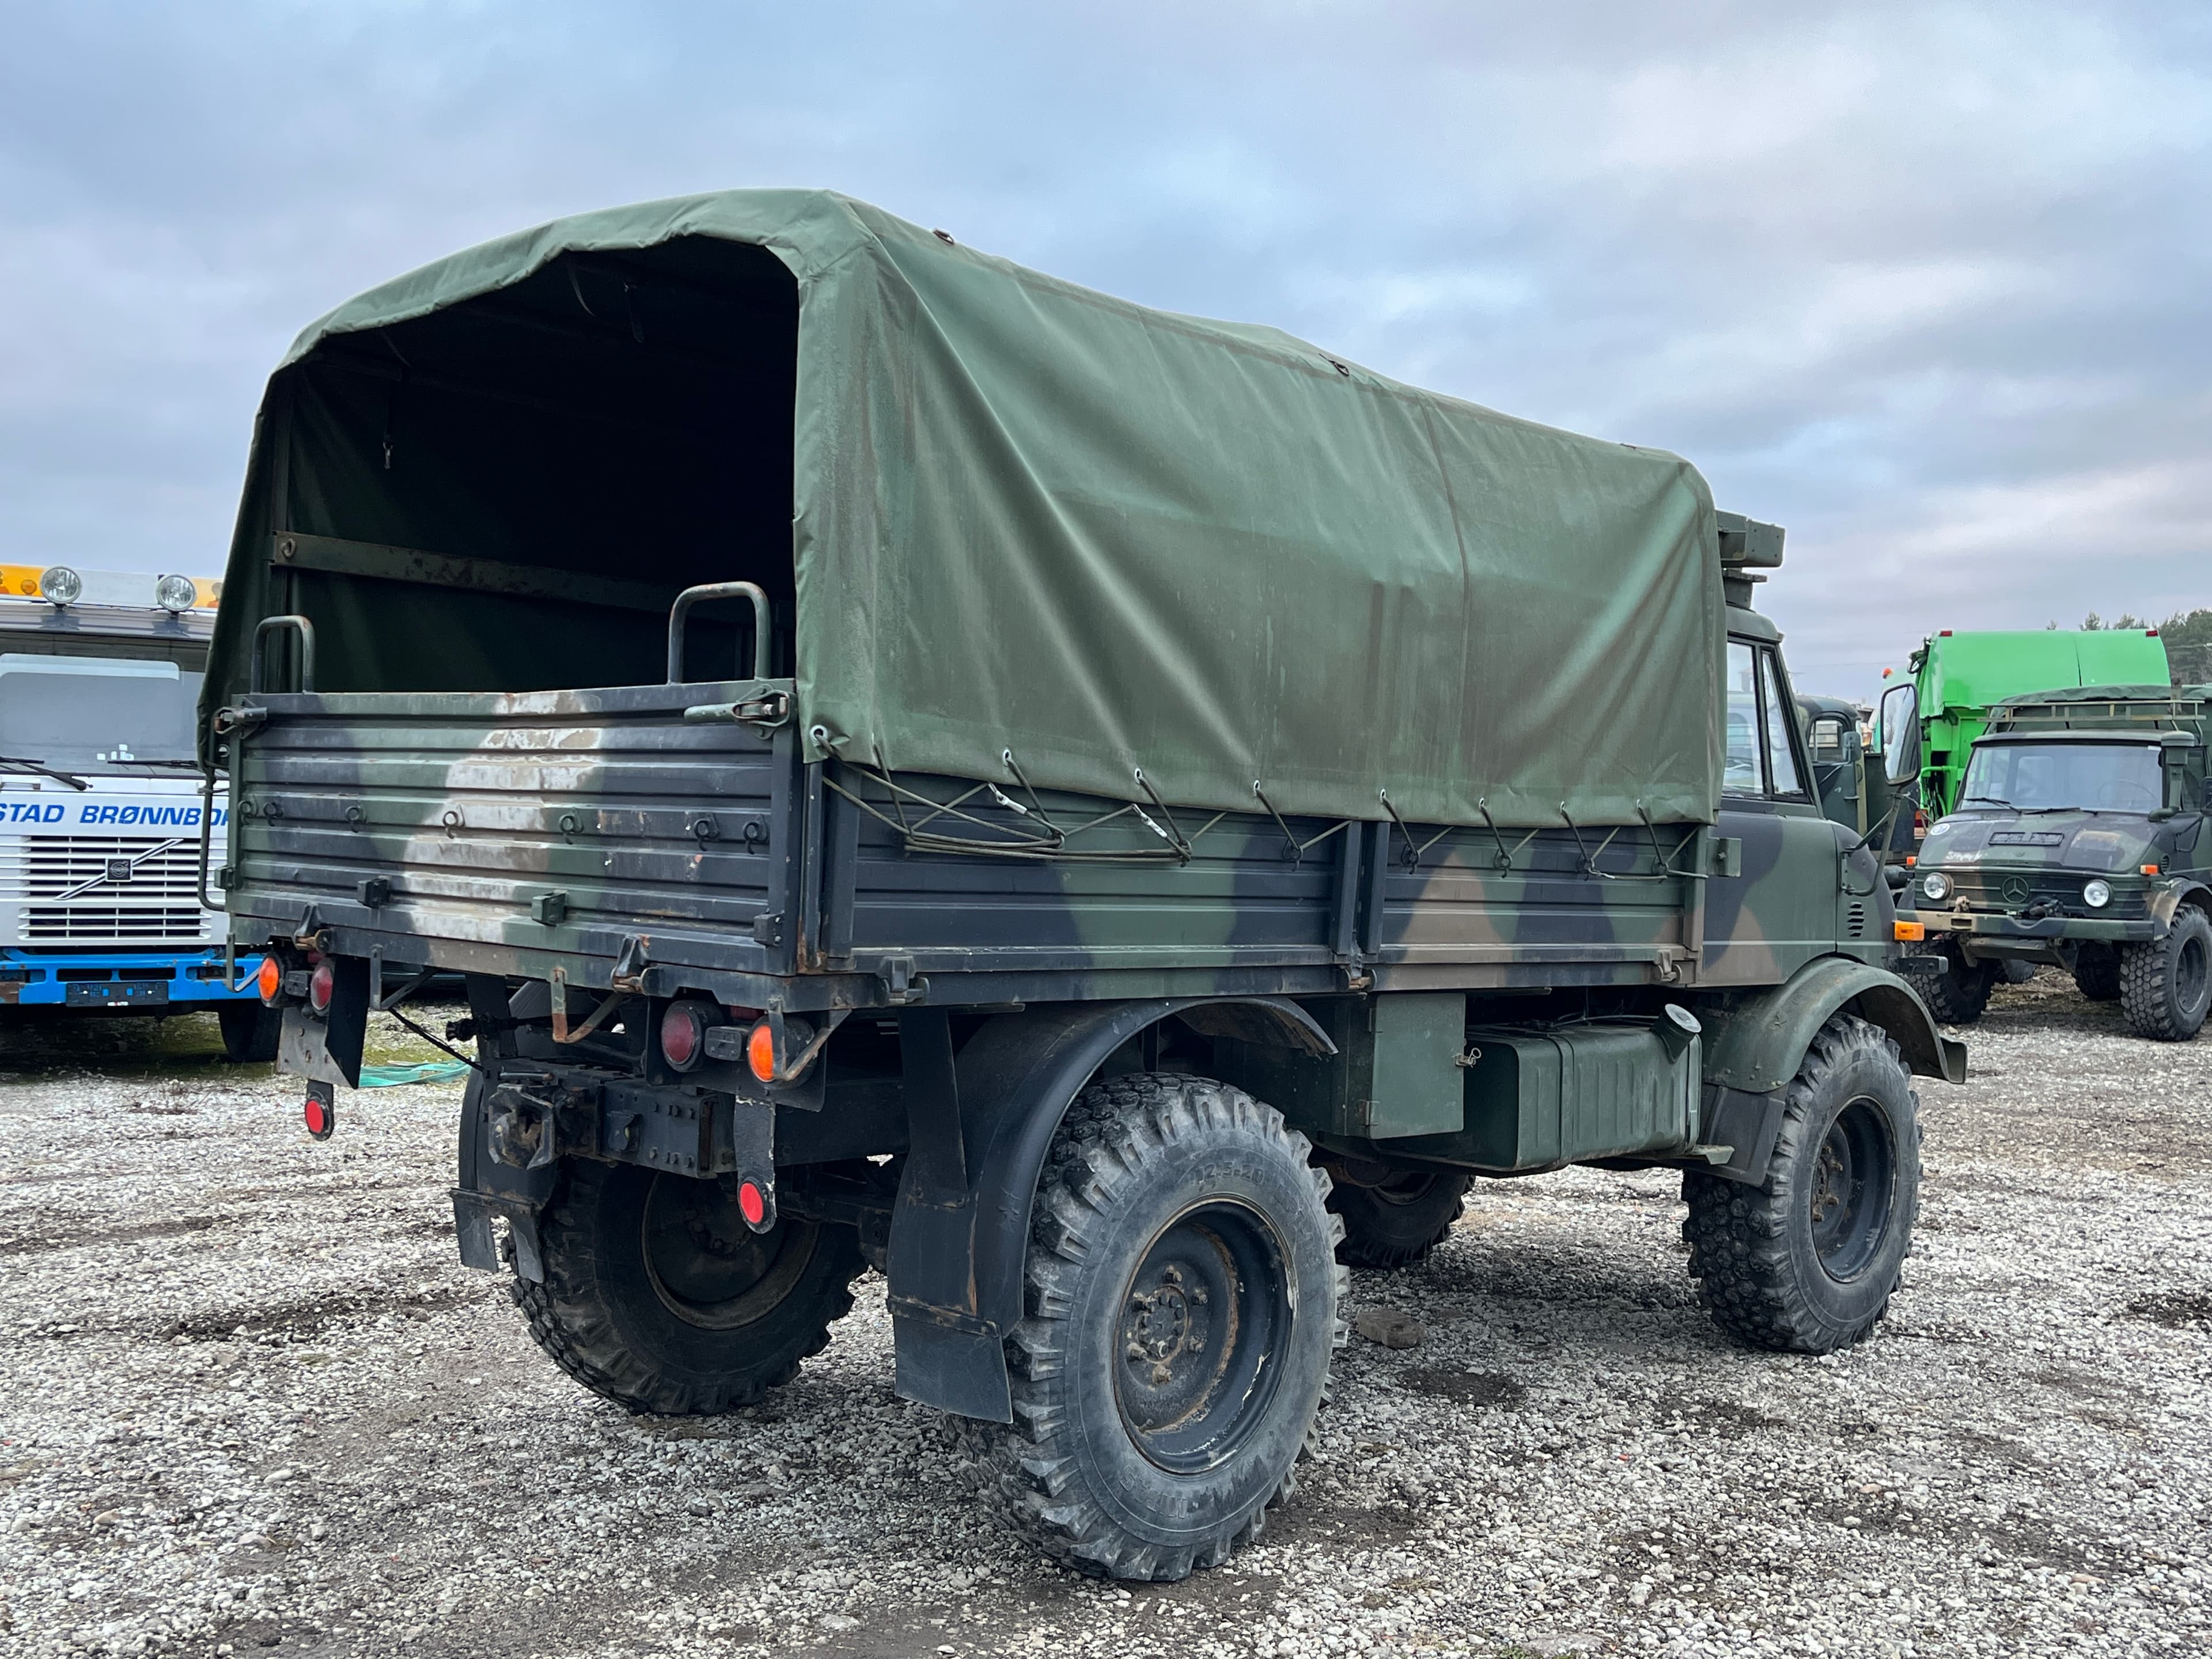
column 101, row 805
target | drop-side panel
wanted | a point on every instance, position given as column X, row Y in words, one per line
column 1547, row 906
column 1118, row 897
column 549, row 821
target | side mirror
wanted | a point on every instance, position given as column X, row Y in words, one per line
column 1900, row 734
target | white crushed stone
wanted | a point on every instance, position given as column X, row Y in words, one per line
column 250, row 1401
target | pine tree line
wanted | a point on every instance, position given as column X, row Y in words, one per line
column 2188, row 636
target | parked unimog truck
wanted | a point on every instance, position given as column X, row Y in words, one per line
column 1102, row 816
column 2077, row 839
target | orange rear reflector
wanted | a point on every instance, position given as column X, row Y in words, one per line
column 1910, row 930
column 270, row 978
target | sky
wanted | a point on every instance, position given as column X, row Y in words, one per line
column 1929, row 284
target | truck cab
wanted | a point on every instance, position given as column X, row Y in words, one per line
column 102, row 808
column 2075, row 838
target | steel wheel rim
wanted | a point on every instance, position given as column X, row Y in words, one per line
column 1853, row 1177
column 705, row 1266
column 1198, row 1335
column 2191, row 972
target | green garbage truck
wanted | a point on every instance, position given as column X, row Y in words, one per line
column 2077, row 839
column 1958, row 677
column 1102, row 816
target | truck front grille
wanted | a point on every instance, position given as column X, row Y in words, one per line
column 53, row 865
column 111, row 924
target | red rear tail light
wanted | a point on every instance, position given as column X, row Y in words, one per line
column 683, row 1035
column 320, row 984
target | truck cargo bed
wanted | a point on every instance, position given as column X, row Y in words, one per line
column 510, row 831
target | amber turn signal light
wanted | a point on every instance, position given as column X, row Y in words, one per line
column 269, row 978
column 2150, row 869
column 1912, row 932
column 760, row 1052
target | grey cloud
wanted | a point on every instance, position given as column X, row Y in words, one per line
column 1926, row 282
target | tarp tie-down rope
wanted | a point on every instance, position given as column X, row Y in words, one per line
column 1294, row 849
column 1007, row 841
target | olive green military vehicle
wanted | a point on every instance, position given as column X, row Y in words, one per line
column 1104, row 817
column 2077, row 839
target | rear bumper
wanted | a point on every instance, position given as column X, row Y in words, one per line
column 143, row 980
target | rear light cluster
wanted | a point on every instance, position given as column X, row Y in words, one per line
column 692, row 1031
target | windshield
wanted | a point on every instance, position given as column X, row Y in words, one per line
column 86, row 712
column 2054, row 776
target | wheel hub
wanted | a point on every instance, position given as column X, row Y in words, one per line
column 1848, row 1194
column 706, row 1265
column 1158, row 1330
column 1202, row 1322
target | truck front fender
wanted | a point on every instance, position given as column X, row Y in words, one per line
column 981, row 1128
column 2166, row 901
column 1757, row 1044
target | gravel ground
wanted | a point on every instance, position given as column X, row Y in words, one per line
column 251, row 1400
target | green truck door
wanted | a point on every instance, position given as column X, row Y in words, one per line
column 1778, row 911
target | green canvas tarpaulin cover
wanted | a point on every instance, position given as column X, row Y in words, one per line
column 1026, row 516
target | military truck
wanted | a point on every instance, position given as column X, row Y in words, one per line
column 2077, row 840
column 1102, row 817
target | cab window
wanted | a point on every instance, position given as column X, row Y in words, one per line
column 1759, row 757
column 1781, row 776
column 1741, row 773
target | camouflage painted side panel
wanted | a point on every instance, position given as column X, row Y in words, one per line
column 507, row 829
column 1791, row 904
column 1121, row 901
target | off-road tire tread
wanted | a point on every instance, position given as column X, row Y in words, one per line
column 1739, row 1245
column 2097, row 973
column 1946, row 993
column 1108, row 1132
column 1361, row 1250
column 2144, row 994
column 571, row 1322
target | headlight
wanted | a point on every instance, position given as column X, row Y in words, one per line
column 2096, row 894
column 59, row 585
column 176, row 594
column 1936, row 885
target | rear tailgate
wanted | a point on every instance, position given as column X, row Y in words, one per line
column 499, row 831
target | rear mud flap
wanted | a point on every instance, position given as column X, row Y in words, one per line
column 473, row 1214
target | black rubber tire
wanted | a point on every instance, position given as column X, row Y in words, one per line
column 2165, row 985
column 1757, row 1252
column 2097, row 971
column 249, row 1031
column 1955, row 990
column 608, row 1315
column 1399, row 1222
column 1141, row 1162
